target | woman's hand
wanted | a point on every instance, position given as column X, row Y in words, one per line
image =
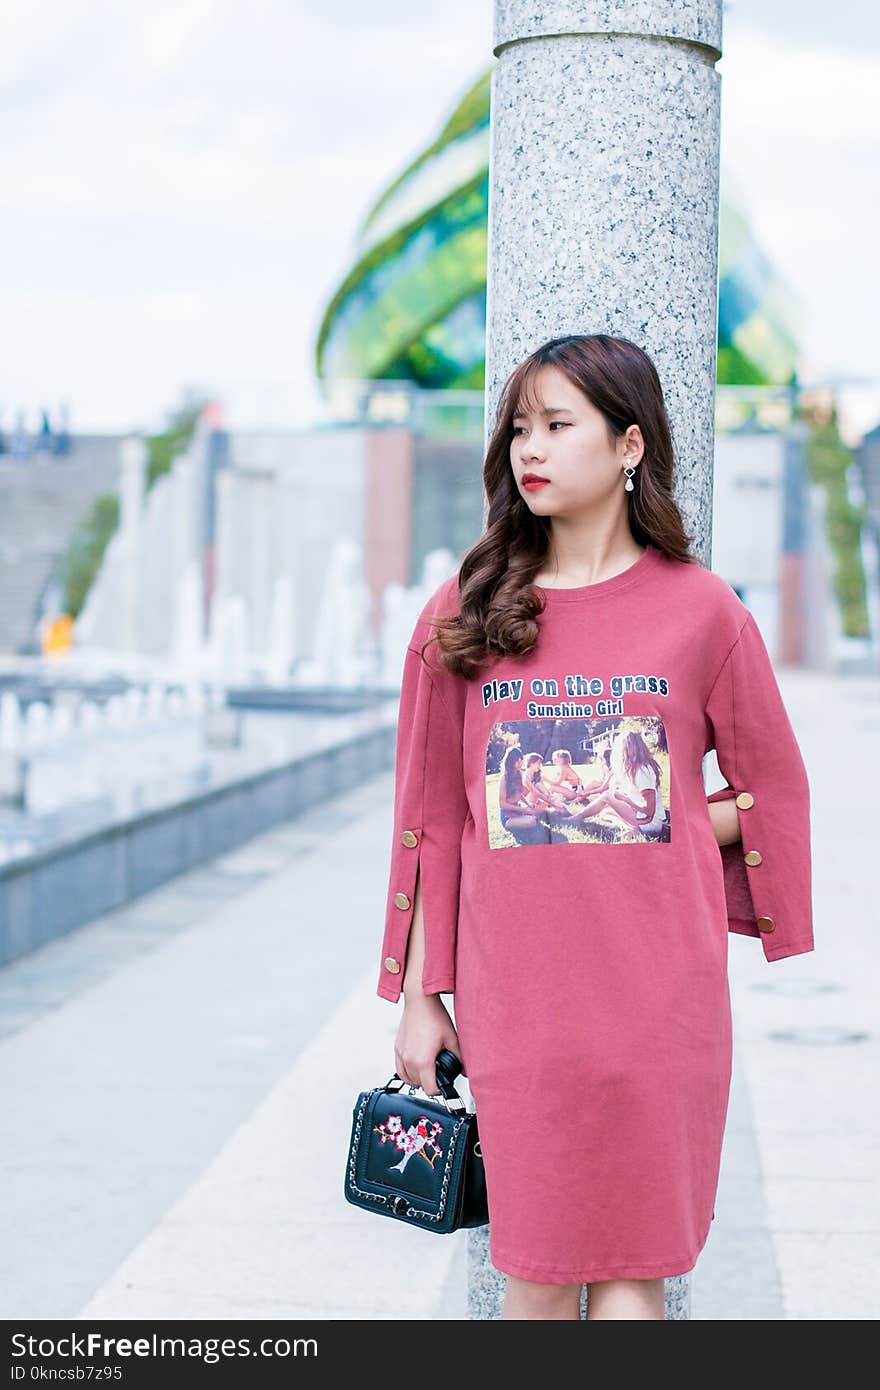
column 424, row 1029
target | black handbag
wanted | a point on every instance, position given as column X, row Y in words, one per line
column 418, row 1160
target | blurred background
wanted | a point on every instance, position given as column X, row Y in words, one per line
column 242, row 379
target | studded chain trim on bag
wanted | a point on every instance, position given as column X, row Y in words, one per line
column 386, row 1201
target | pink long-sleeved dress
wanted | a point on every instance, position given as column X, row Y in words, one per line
column 585, row 948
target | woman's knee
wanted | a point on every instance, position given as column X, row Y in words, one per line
column 527, row 1298
column 627, row 1298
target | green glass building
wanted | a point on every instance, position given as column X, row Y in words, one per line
column 413, row 306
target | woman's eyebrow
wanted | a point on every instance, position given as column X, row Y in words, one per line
column 548, row 410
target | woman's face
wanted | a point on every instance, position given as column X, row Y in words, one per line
column 563, row 438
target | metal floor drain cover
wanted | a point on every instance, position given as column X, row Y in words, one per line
column 818, row 1035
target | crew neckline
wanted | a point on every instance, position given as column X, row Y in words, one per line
column 635, row 572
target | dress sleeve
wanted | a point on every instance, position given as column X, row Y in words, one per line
column 430, row 809
column 767, row 874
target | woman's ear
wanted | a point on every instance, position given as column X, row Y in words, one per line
column 634, row 445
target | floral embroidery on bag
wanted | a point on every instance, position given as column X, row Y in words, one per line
column 415, row 1140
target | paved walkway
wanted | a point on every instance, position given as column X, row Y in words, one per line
column 178, row 1079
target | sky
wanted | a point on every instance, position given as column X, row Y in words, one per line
column 181, row 183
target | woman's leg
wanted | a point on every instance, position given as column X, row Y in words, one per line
column 622, row 809
column 632, row 1299
column 526, row 830
column 589, row 789
column 554, row 821
column 549, row 1302
column 592, row 808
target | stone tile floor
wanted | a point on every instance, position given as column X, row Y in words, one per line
column 178, row 1078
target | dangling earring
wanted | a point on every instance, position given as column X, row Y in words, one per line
column 628, row 485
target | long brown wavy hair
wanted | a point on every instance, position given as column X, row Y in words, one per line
column 635, row 753
column 498, row 605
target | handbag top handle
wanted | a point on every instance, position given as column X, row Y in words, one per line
column 447, row 1067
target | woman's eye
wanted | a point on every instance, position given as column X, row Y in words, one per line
column 520, row 429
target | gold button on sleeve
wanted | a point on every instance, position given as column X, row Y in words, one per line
column 401, row 900
column 410, row 839
column 392, row 965
column 766, row 924
column 745, row 800
column 753, row 856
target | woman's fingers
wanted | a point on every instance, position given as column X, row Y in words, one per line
column 417, row 1072
column 429, row 1081
column 403, row 1070
column 423, row 1073
column 423, row 1031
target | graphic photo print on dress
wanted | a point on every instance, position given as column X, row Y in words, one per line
column 576, row 772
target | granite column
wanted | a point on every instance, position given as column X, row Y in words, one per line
column 603, row 218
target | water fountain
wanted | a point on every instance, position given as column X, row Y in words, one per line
column 344, row 653
column 401, row 607
column 282, row 633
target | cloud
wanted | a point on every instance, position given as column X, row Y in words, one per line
column 799, row 144
column 181, row 182
column 164, row 31
column 824, row 98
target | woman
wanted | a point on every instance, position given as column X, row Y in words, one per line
column 537, row 790
column 514, row 810
column 592, row 1011
column 634, row 794
column 562, row 778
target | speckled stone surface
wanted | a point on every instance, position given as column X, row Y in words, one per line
column 603, row 206
column 486, row 1284
column 603, row 218
column 697, row 21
